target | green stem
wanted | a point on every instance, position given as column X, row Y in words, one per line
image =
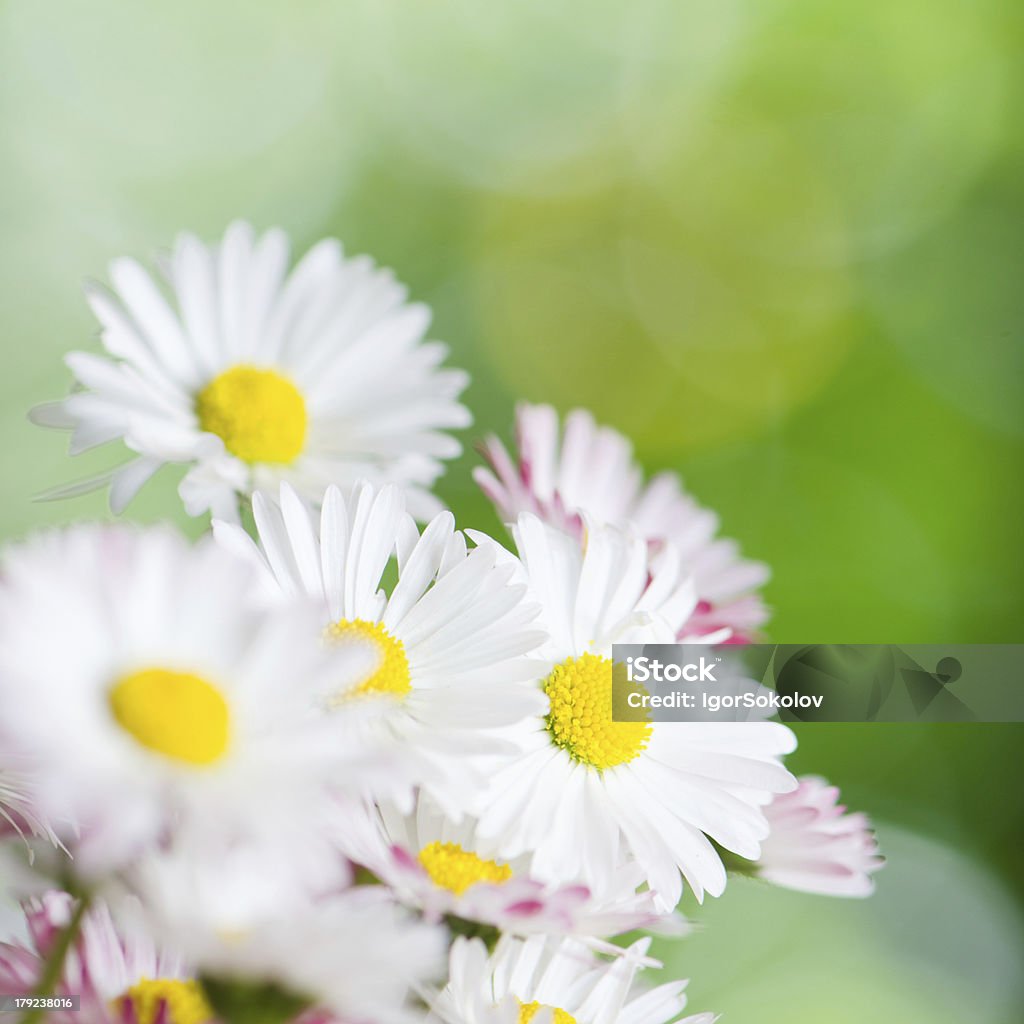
column 54, row 966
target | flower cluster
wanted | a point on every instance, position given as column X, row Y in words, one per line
column 340, row 761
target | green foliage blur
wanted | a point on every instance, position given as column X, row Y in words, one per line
column 778, row 243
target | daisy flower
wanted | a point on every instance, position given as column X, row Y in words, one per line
column 117, row 971
column 590, row 471
column 815, row 846
column 554, row 982
column 442, row 869
column 250, row 375
column 141, row 679
column 451, row 636
column 589, row 791
column 253, row 914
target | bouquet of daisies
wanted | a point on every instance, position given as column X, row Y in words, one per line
column 340, row 760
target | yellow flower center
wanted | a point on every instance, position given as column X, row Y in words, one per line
column 175, row 714
column 184, row 1000
column 580, row 719
column 391, row 676
column 455, row 869
column 527, row 1011
column 258, row 414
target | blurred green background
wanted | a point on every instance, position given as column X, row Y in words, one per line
column 778, row 243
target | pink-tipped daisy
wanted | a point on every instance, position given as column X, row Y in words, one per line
column 117, row 972
column 589, row 470
column 816, row 846
column 443, row 869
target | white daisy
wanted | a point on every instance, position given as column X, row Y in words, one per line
column 590, row 470
column 815, row 846
column 140, row 678
column 452, row 635
column 250, row 375
column 538, row 981
column 441, row 868
column 589, row 791
column 117, row 972
column 245, row 914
